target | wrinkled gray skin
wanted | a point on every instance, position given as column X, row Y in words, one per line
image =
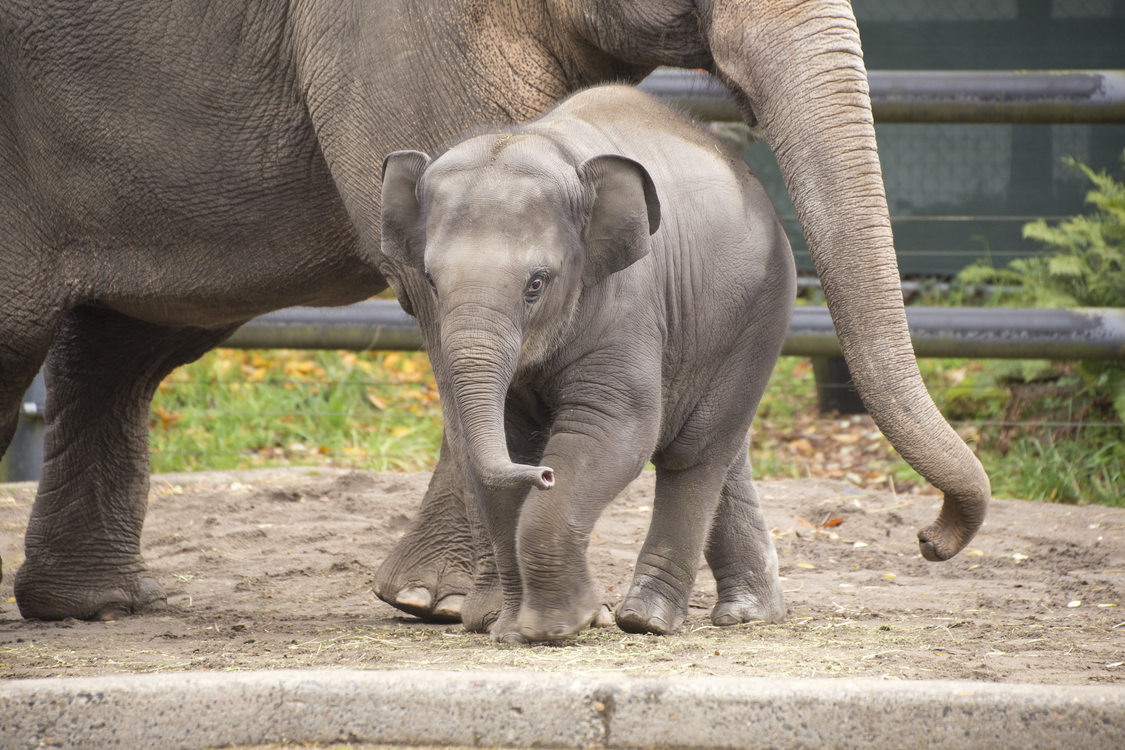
column 169, row 170
column 612, row 285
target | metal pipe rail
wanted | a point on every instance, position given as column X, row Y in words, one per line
column 939, row 96
column 1012, row 333
column 987, row 332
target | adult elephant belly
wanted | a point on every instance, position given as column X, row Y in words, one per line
column 213, row 284
column 207, row 249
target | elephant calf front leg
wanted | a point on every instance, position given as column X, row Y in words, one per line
column 555, row 526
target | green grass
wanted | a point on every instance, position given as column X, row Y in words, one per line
column 1041, row 432
column 243, row 409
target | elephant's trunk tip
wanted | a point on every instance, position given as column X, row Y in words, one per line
column 955, row 526
column 541, row 477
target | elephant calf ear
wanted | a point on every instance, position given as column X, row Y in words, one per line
column 401, row 210
column 624, row 212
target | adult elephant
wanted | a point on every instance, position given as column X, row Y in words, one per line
column 171, row 170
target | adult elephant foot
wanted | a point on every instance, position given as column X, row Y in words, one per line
column 427, row 578
column 430, row 571
column 74, row 589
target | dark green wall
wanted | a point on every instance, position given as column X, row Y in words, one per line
column 960, row 192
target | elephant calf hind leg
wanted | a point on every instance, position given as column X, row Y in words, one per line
column 742, row 556
column 658, row 599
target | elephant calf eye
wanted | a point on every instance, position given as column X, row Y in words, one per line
column 430, row 281
column 536, row 285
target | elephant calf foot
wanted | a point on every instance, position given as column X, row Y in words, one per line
column 650, row 614
column 558, row 623
column 425, row 579
column 654, row 605
column 506, row 630
column 41, row 596
column 749, row 608
column 746, row 596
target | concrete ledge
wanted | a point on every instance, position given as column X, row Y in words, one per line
column 209, row 709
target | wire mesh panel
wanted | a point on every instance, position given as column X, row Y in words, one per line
column 958, row 193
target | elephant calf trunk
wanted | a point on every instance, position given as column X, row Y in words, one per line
column 510, row 476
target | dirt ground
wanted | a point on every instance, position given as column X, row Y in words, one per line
column 273, row 569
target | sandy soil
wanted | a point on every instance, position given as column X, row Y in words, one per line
column 273, row 569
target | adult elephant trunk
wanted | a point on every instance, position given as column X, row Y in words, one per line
column 481, row 351
column 799, row 67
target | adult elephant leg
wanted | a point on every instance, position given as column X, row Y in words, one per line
column 26, row 329
column 797, row 65
column 430, row 570
column 485, row 599
column 83, row 556
column 741, row 553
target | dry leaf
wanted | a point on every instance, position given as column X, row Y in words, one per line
column 801, row 445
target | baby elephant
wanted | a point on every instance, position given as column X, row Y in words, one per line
column 594, row 287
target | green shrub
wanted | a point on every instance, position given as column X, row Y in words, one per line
column 1084, row 267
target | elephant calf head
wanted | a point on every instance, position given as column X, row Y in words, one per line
column 509, row 233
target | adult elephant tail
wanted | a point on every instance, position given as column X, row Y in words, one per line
column 798, row 66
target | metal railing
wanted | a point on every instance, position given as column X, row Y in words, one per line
column 985, row 332
column 940, row 96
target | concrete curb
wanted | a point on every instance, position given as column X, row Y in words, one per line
column 212, row 709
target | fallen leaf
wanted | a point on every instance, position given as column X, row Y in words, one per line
column 801, row 445
column 806, row 565
column 831, row 522
column 1075, row 603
